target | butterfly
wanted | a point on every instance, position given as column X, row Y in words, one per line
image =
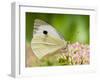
column 46, row 39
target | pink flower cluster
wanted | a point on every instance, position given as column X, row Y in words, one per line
column 76, row 53
column 79, row 53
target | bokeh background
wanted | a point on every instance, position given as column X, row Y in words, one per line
column 74, row 28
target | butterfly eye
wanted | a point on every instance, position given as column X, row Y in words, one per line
column 45, row 32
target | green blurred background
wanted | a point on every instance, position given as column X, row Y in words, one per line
column 74, row 28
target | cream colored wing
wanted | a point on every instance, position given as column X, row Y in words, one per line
column 40, row 26
column 42, row 46
column 47, row 42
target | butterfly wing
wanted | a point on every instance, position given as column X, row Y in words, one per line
column 40, row 26
column 43, row 44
